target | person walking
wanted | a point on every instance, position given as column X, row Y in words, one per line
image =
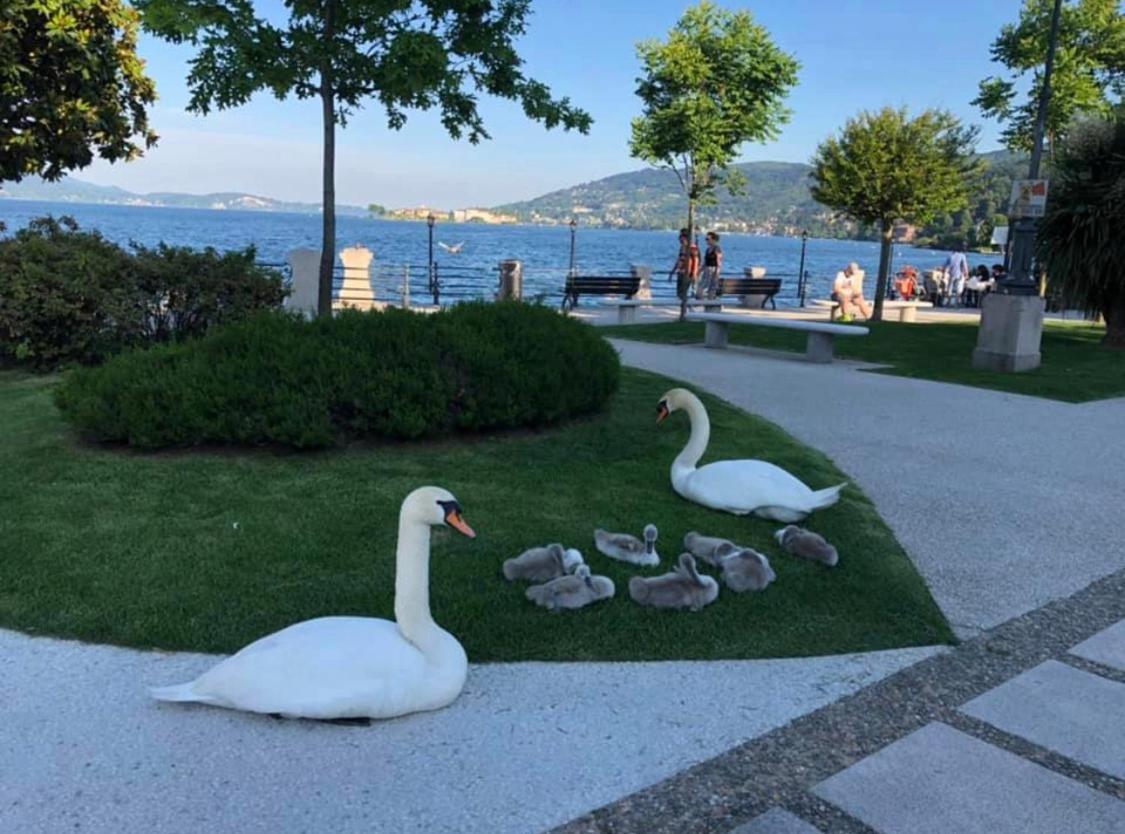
column 956, row 270
column 686, row 270
column 712, row 268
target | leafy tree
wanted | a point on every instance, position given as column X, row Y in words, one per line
column 1088, row 76
column 717, row 82
column 885, row 167
column 71, row 86
column 1079, row 241
column 376, row 209
column 406, row 55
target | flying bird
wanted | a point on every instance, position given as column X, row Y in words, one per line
column 452, row 250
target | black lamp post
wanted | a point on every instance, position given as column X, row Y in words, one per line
column 801, row 269
column 573, row 233
column 431, row 277
column 1020, row 280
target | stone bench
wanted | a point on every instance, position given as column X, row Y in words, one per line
column 907, row 310
column 627, row 309
column 820, row 346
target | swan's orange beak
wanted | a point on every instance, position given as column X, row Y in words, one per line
column 661, row 412
column 453, row 519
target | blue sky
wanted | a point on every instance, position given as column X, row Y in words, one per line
column 855, row 54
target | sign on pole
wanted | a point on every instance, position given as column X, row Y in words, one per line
column 1029, row 198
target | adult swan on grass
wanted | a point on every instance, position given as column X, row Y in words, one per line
column 352, row 667
column 736, row 486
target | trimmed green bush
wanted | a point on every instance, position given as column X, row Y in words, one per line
column 72, row 297
column 277, row 379
column 65, row 296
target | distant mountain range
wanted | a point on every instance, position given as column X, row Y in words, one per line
column 776, row 201
column 72, row 190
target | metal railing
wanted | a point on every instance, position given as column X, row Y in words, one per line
column 441, row 284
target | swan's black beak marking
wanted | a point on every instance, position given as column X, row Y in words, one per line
column 662, row 412
column 453, row 518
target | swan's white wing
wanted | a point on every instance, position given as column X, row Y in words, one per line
column 741, row 486
column 331, row 667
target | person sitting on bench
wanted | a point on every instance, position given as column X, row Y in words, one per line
column 906, row 283
column 847, row 291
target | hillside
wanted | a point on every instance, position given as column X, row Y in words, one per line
column 776, row 201
column 71, row 190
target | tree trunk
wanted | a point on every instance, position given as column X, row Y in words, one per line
column 887, row 227
column 328, row 205
column 1114, row 315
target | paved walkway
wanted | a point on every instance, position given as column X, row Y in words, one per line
column 1004, row 502
column 1020, row 730
column 526, row 746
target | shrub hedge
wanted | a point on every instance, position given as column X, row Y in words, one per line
column 72, row 297
column 277, row 379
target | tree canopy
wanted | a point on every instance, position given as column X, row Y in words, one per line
column 1079, row 241
column 886, row 167
column 404, row 54
column 718, row 82
column 71, row 86
column 1088, row 75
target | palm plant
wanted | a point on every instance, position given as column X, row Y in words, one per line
column 1080, row 241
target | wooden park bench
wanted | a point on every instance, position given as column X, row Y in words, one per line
column 767, row 288
column 627, row 309
column 907, row 310
column 580, row 285
column 820, row 346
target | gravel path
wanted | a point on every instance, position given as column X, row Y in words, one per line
column 1004, row 502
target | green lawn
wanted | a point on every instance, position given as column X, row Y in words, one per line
column 1075, row 368
column 208, row 551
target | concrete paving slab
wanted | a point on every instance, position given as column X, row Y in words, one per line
column 1106, row 647
column 964, row 495
column 526, row 746
column 939, row 780
column 776, row 821
column 1062, row 708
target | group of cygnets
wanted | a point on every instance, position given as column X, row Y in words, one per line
column 564, row 580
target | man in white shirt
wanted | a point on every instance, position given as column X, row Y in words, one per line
column 956, row 270
column 847, row 291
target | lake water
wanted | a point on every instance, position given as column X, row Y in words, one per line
column 544, row 250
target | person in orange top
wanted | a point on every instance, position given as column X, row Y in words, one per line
column 686, row 268
column 906, row 283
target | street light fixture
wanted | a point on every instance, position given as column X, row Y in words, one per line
column 1021, row 280
column 1011, row 319
column 801, row 269
column 573, row 233
column 432, row 276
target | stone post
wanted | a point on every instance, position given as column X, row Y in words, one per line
column 304, row 268
column 644, row 292
column 1011, row 329
column 511, row 281
column 753, row 301
column 356, row 292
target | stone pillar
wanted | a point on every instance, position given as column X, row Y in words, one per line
column 1011, row 328
column 304, row 269
column 511, row 281
column 753, row 301
column 356, row 292
column 644, row 292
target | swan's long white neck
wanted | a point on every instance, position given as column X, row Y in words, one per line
column 697, row 444
column 412, row 580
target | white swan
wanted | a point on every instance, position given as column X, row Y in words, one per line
column 352, row 667
column 736, row 486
